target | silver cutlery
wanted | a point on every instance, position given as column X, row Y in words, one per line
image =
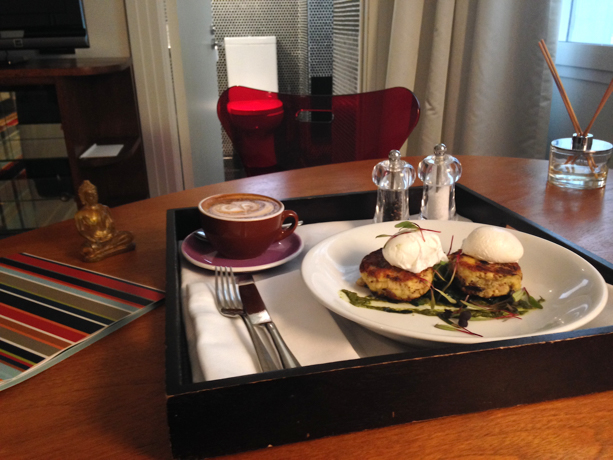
column 258, row 315
column 229, row 304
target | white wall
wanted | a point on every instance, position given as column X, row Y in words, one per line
column 107, row 28
column 197, row 106
column 156, row 101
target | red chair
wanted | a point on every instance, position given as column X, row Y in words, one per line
column 275, row 131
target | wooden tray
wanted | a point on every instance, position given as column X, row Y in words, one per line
column 252, row 412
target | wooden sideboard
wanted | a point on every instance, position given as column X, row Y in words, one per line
column 97, row 105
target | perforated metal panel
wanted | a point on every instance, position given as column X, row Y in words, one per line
column 304, row 43
column 262, row 18
column 320, row 18
column 346, row 46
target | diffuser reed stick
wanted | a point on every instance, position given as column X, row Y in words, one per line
column 558, row 81
column 600, row 106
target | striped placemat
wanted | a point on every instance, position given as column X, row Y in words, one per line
column 49, row 310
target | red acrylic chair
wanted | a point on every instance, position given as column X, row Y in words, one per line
column 276, row 131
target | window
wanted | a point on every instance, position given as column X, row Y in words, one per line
column 587, row 21
column 584, row 59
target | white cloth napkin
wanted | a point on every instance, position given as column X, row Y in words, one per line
column 221, row 344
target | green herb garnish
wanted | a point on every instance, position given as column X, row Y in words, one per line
column 407, row 227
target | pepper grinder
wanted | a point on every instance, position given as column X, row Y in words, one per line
column 439, row 173
column 393, row 178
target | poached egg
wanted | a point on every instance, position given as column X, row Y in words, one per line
column 494, row 245
column 414, row 251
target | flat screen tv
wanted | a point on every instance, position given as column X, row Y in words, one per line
column 52, row 26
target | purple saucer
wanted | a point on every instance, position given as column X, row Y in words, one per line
column 203, row 255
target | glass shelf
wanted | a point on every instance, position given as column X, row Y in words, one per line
column 21, row 188
column 28, row 215
column 35, row 182
column 31, row 203
column 15, row 143
column 27, row 203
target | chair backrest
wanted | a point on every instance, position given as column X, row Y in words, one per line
column 324, row 129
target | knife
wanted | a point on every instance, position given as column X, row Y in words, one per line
column 258, row 315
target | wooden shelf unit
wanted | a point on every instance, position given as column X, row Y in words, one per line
column 97, row 102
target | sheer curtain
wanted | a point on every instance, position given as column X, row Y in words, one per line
column 475, row 66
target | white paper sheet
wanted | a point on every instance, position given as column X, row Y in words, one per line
column 102, row 151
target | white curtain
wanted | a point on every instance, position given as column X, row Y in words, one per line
column 475, row 66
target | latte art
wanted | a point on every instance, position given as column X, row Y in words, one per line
column 243, row 209
column 244, row 225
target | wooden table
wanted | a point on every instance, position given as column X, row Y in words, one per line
column 108, row 401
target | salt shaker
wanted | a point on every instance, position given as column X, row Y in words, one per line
column 439, row 173
column 393, row 178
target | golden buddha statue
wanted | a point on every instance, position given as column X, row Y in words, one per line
column 95, row 224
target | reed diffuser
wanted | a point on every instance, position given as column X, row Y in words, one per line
column 581, row 161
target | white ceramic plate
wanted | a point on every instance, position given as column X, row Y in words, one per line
column 574, row 291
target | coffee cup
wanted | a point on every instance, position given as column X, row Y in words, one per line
column 244, row 225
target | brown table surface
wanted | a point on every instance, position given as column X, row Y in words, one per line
column 108, row 401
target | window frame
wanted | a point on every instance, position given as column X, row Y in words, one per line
column 585, row 56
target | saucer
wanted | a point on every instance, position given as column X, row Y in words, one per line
column 203, row 255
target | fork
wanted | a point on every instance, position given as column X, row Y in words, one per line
column 229, row 304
